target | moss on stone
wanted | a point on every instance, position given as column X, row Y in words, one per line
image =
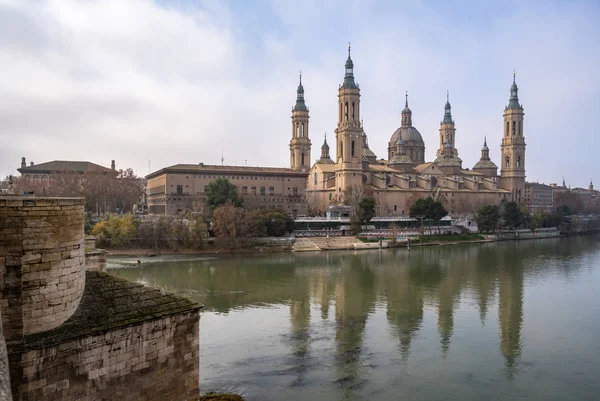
column 109, row 303
column 221, row 397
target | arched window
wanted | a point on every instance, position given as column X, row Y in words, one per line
column 507, row 161
column 518, row 161
column 514, row 127
column 302, row 130
column 297, row 129
column 352, row 148
column 507, row 128
column 346, row 111
column 315, row 178
column 417, row 158
column 341, row 150
column 353, row 119
column 520, row 128
column 303, row 158
column 341, row 111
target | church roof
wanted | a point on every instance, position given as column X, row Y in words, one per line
column 422, row 167
column 368, row 152
column 207, row 168
column 64, row 166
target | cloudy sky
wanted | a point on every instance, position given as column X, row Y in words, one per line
column 155, row 83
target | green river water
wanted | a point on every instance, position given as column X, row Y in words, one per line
column 494, row 321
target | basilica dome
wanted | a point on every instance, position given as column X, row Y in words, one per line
column 408, row 134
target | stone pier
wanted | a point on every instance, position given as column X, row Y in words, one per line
column 73, row 334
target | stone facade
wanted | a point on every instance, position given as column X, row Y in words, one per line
column 125, row 342
column 95, row 260
column 182, row 187
column 41, row 262
column 539, row 197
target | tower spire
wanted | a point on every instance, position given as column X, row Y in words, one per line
column 513, row 102
column 349, row 76
column 300, row 104
column 406, row 113
column 447, row 110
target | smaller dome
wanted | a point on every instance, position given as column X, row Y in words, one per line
column 454, row 161
column 401, row 159
column 484, row 164
column 324, row 161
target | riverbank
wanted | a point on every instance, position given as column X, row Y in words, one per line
column 311, row 244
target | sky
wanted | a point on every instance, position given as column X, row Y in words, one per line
column 155, row 83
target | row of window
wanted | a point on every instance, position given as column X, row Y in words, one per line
column 514, row 128
column 263, row 190
column 239, row 177
column 344, row 110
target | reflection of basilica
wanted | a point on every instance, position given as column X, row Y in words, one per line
column 349, row 288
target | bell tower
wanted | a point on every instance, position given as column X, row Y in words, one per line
column 300, row 144
column 512, row 172
column 447, row 129
column 349, row 132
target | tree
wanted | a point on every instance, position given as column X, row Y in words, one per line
column 362, row 204
column 512, row 215
column 276, row 222
column 570, row 200
column 116, row 231
column 487, row 217
column 229, row 224
column 222, row 192
column 428, row 209
column 114, row 192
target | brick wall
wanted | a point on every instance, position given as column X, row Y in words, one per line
column 155, row 360
column 42, row 275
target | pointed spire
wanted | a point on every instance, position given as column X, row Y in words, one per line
column 447, row 110
column 406, row 113
column 300, row 105
column 513, row 102
column 485, row 141
column 349, row 76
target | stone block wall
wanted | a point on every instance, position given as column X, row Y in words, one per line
column 152, row 361
column 42, row 274
column 95, row 260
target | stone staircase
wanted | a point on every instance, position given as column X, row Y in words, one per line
column 304, row 244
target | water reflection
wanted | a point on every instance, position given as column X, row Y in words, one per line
column 349, row 287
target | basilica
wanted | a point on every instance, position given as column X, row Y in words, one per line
column 404, row 176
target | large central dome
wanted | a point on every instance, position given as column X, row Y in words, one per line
column 411, row 137
column 408, row 134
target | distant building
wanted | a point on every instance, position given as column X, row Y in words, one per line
column 43, row 172
column 539, row 197
column 176, row 189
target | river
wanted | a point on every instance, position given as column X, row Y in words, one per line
column 494, row 321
